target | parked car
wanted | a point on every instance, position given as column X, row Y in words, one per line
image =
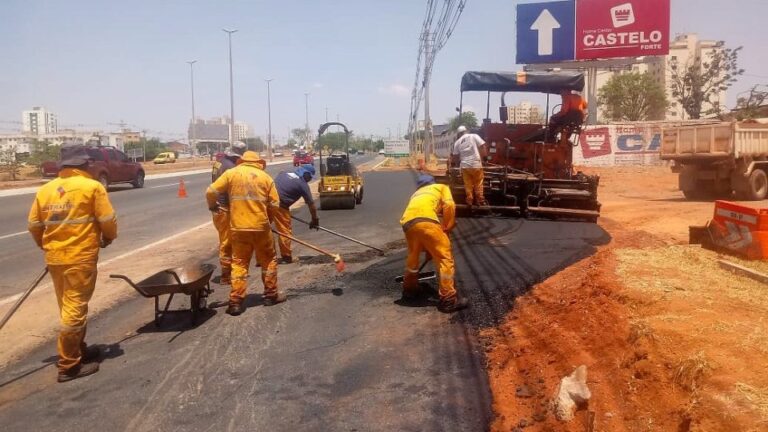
column 108, row 165
column 301, row 158
column 165, row 157
column 278, row 154
column 381, row 152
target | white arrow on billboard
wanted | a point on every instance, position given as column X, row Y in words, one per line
column 545, row 24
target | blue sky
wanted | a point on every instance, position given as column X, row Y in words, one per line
column 96, row 62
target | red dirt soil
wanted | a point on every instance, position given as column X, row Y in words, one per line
column 664, row 345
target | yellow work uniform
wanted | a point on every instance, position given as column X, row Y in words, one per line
column 253, row 202
column 221, row 223
column 425, row 232
column 283, row 225
column 68, row 219
column 473, row 185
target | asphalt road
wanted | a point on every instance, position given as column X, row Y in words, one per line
column 144, row 216
column 341, row 354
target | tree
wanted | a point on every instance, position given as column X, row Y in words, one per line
column 467, row 119
column 334, row 141
column 633, row 97
column 701, row 80
column 151, row 146
column 752, row 106
column 255, row 144
column 9, row 163
column 291, row 143
column 42, row 151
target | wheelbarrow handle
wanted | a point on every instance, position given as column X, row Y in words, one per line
column 125, row 278
column 23, row 297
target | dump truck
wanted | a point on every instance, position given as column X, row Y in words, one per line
column 529, row 168
column 719, row 159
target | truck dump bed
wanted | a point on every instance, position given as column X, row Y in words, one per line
column 714, row 141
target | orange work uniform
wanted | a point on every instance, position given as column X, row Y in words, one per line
column 221, row 219
column 253, row 202
column 68, row 219
column 425, row 232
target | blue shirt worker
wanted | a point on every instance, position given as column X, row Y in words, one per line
column 290, row 187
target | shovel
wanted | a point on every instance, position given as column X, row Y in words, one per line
column 23, row 297
column 423, row 276
column 381, row 252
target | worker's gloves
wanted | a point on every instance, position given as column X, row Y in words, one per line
column 105, row 242
column 314, row 224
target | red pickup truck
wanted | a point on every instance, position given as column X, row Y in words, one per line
column 108, row 165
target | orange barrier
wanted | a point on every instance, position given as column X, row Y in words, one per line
column 742, row 229
column 182, row 189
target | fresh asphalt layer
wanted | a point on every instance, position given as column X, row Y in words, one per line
column 144, row 216
column 340, row 354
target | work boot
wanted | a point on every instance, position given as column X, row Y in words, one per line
column 78, row 371
column 275, row 299
column 455, row 304
column 90, row 354
column 287, row 259
column 235, row 309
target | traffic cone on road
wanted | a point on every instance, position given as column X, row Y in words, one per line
column 182, row 189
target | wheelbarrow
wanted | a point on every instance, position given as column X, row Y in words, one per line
column 193, row 281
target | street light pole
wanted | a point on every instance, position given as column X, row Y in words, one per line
column 231, row 91
column 306, row 121
column 192, row 88
column 269, row 116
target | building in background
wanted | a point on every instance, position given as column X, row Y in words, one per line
column 209, row 135
column 241, row 131
column 524, row 113
column 39, row 121
column 685, row 49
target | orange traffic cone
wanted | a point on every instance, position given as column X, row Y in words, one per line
column 182, row 189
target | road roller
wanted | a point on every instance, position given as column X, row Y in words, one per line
column 341, row 185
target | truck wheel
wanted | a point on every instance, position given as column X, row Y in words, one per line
column 758, row 185
column 359, row 198
column 103, row 180
column 138, row 182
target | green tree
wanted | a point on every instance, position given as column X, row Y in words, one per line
column 255, row 144
column 334, row 141
column 633, row 97
column 42, row 151
column 749, row 107
column 467, row 119
column 151, row 146
column 9, row 163
column 701, row 80
column 291, row 143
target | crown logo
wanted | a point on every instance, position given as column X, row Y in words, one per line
column 623, row 15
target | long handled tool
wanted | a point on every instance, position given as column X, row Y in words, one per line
column 422, row 276
column 336, row 257
column 23, row 297
column 381, row 252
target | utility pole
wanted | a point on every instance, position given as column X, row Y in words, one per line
column 306, row 120
column 192, row 88
column 326, row 113
column 427, row 76
column 231, row 91
column 269, row 116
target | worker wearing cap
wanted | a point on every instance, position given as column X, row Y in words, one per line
column 573, row 111
column 253, row 202
column 290, row 187
column 424, row 231
column 69, row 219
column 221, row 215
column 467, row 152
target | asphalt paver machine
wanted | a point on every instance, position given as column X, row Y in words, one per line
column 529, row 167
column 341, row 185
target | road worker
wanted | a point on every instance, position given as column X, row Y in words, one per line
column 69, row 219
column 253, row 202
column 468, row 152
column 573, row 111
column 290, row 187
column 424, row 231
column 221, row 215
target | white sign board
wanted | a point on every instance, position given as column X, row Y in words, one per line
column 396, row 147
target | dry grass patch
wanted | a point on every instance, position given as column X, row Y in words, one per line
column 757, row 398
column 689, row 372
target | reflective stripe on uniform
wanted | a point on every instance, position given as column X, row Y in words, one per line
column 69, row 221
column 247, row 198
column 107, row 218
column 410, row 270
column 214, row 190
column 446, row 276
column 36, row 224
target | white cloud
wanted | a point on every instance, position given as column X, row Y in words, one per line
column 317, row 85
column 395, row 90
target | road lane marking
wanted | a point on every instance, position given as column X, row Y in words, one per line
column 13, row 298
column 169, row 185
column 13, row 235
column 378, row 164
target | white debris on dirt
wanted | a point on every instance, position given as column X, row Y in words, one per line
column 572, row 393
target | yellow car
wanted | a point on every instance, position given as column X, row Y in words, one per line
column 166, row 157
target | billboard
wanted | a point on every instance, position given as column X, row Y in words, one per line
column 621, row 28
column 592, row 29
column 397, row 147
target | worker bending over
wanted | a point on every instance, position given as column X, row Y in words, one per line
column 70, row 219
column 573, row 111
column 290, row 187
column 468, row 152
column 221, row 215
column 253, row 202
column 425, row 232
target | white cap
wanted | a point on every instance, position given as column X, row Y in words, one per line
column 461, row 129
